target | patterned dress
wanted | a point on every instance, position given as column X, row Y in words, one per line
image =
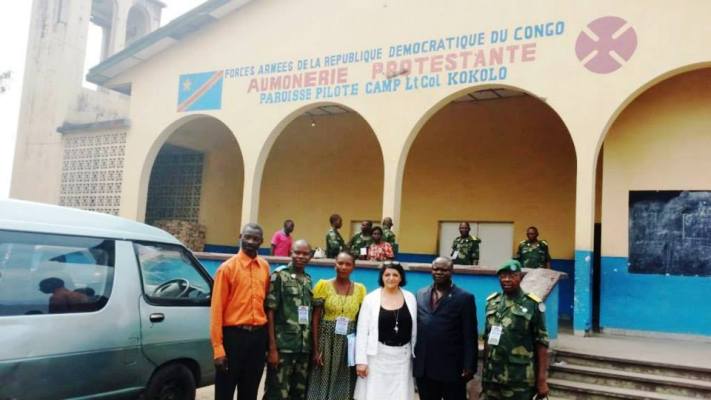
column 335, row 380
column 382, row 251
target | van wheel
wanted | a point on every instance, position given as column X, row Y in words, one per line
column 172, row 382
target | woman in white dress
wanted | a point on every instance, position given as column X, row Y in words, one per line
column 385, row 339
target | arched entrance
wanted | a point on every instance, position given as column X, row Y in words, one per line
column 326, row 160
column 501, row 159
column 656, row 192
column 196, row 181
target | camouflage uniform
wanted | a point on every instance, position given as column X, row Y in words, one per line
column 389, row 236
column 358, row 242
column 534, row 254
column 334, row 243
column 467, row 250
column 286, row 293
column 509, row 367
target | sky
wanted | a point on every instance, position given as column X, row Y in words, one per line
column 14, row 29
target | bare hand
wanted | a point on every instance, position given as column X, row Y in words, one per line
column 362, row 370
column 273, row 358
column 542, row 389
column 317, row 359
column 221, row 364
column 467, row 375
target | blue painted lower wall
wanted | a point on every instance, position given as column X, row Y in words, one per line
column 220, row 248
column 659, row 303
column 565, row 286
column 480, row 285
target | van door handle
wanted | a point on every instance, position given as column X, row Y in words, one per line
column 156, row 317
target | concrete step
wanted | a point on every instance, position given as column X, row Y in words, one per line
column 563, row 389
column 642, row 367
column 691, row 388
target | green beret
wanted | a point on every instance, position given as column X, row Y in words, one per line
column 510, row 266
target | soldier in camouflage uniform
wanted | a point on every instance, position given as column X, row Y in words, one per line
column 334, row 242
column 534, row 253
column 358, row 246
column 288, row 310
column 389, row 235
column 465, row 248
column 516, row 341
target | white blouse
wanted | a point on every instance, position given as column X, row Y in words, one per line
column 367, row 329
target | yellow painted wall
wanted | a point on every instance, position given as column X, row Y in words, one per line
column 661, row 141
column 500, row 160
column 585, row 100
column 313, row 172
column 221, row 196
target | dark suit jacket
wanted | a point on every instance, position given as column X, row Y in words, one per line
column 447, row 336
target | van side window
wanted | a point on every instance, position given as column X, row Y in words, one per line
column 54, row 274
column 171, row 276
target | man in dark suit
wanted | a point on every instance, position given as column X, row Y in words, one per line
column 446, row 350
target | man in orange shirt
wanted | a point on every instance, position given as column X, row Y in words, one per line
column 238, row 320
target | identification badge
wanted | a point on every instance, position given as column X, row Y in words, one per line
column 495, row 335
column 351, row 349
column 342, row 325
column 455, row 254
column 303, row 315
column 363, row 251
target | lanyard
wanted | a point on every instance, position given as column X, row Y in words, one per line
column 345, row 296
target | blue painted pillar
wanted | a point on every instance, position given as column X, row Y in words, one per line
column 582, row 297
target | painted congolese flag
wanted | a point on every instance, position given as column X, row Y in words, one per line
column 200, row 91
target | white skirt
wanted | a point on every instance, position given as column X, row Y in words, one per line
column 389, row 375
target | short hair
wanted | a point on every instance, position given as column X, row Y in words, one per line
column 287, row 221
column 300, row 242
column 392, row 265
column 254, row 227
column 466, row 223
column 49, row 285
column 532, row 227
column 345, row 253
column 445, row 259
column 377, row 228
column 333, row 218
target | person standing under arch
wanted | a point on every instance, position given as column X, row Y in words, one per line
column 358, row 246
column 389, row 235
column 282, row 241
column 334, row 241
column 534, row 253
column 379, row 250
column 465, row 248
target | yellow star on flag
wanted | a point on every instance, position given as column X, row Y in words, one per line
column 187, row 84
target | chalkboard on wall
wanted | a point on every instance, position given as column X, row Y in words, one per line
column 670, row 232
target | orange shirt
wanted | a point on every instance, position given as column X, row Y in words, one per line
column 241, row 285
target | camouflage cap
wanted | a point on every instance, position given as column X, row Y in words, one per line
column 509, row 266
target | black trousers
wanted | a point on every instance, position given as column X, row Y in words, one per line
column 430, row 389
column 246, row 356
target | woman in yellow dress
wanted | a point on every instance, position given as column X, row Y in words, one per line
column 336, row 303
